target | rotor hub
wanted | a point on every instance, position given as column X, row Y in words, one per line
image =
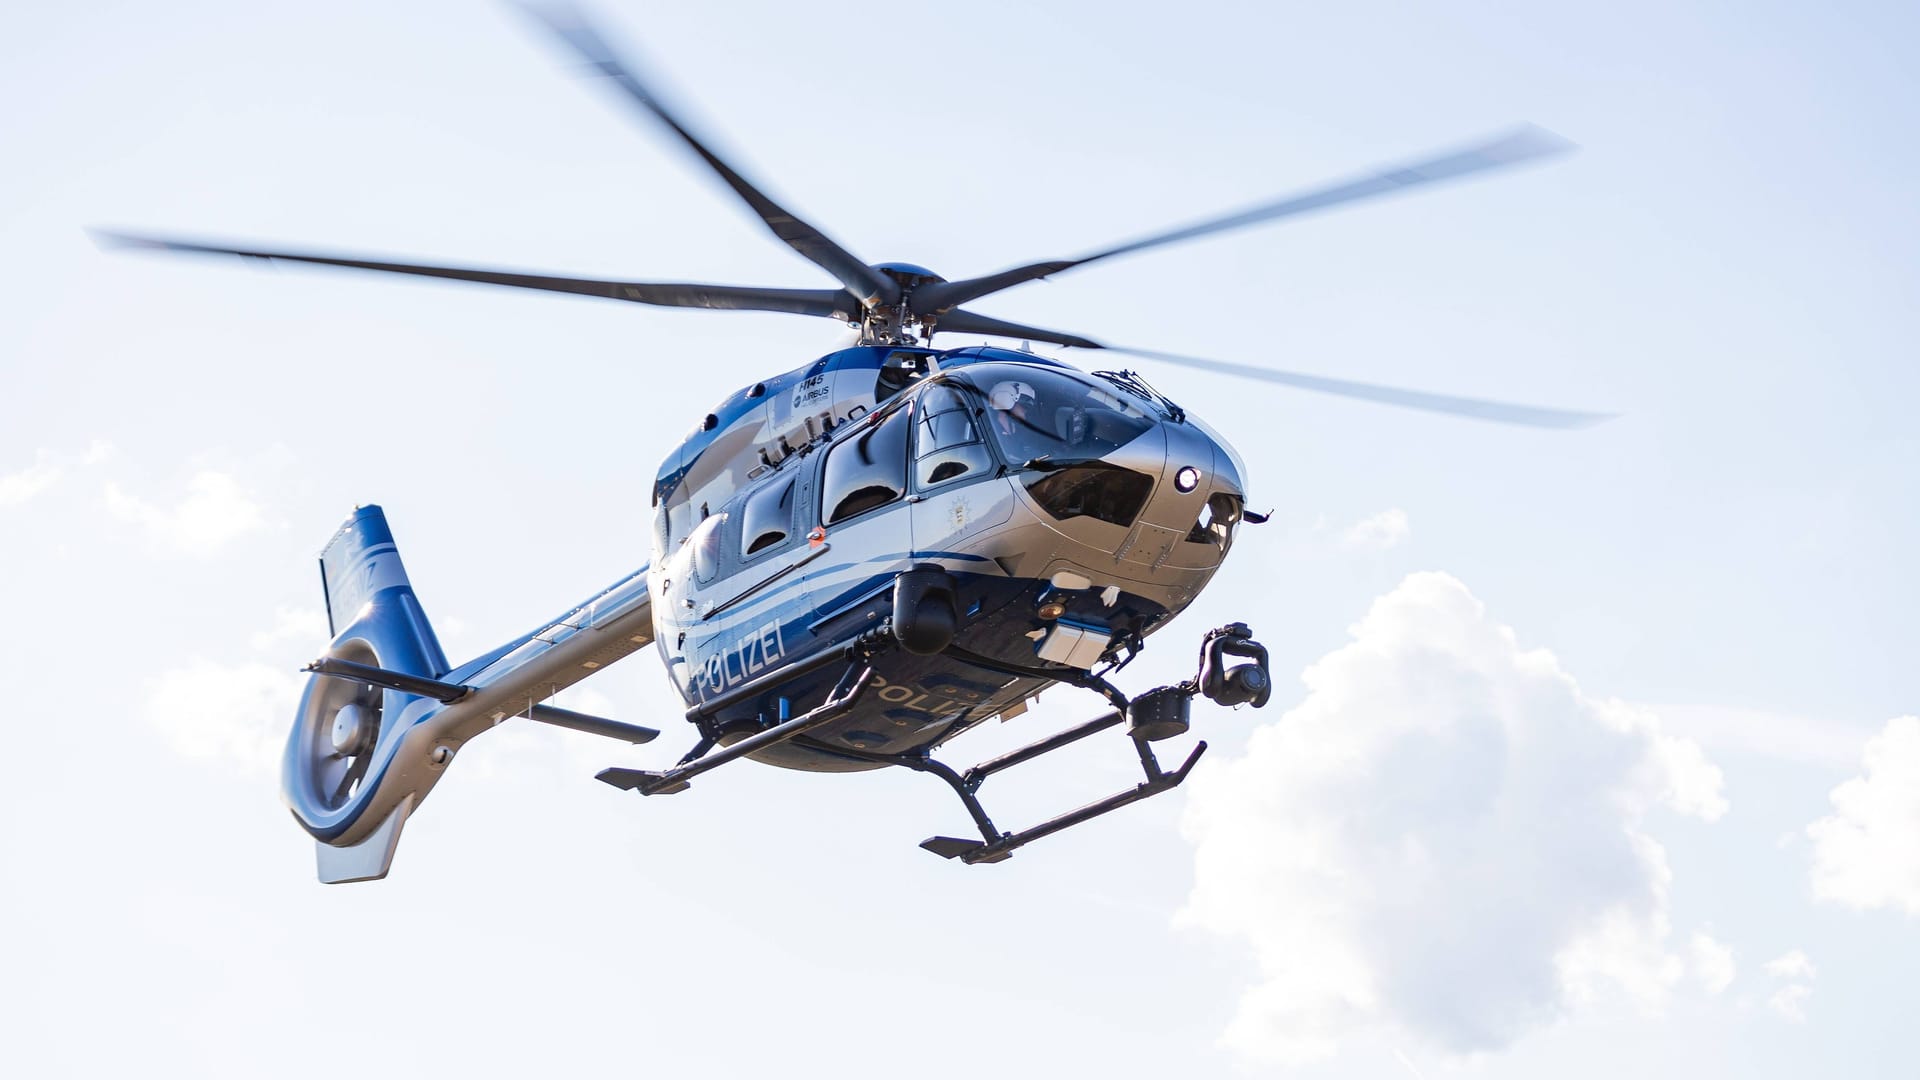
column 896, row 324
column 336, row 735
column 349, row 728
column 907, row 274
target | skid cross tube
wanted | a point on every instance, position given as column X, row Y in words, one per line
column 1152, row 719
column 1048, row 745
column 922, row 762
column 844, row 697
column 861, row 648
column 995, row 845
column 750, row 690
column 1070, row 676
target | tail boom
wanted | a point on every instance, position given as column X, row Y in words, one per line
column 367, row 748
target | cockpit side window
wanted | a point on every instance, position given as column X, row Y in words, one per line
column 1035, row 413
column 949, row 441
column 867, row 469
column 681, row 516
column 705, row 542
column 660, row 535
column 767, row 518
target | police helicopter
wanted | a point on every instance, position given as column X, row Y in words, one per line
column 855, row 561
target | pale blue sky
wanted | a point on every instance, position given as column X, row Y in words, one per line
column 1728, row 262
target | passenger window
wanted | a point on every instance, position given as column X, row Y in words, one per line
column 767, row 518
column 868, row 470
column 949, row 440
column 899, row 371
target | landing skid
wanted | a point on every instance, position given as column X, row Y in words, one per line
column 997, row 846
column 845, row 696
column 1153, row 716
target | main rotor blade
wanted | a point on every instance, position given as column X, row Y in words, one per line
column 967, row 322
column 869, row 286
column 1525, row 144
column 830, row 303
column 1476, row 408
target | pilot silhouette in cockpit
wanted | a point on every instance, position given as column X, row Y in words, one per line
column 1012, row 415
column 1029, row 428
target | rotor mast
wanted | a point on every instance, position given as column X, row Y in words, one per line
column 897, row 323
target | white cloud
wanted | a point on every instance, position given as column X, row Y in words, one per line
column 48, row 469
column 1818, row 740
column 230, row 714
column 1377, row 532
column 238, row 714
column 301, row 626
column 1447, row 838
column 1791, row 1002
column 1712, row 963
column 1676, row 768
column 215, row 512
column 1792, row 965
column 1867, row 854
column 18, row 487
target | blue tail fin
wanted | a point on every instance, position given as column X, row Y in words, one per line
column 367, row 590
column 343, row 776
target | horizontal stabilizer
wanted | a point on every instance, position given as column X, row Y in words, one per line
column 443, row 692
column 592, row 725
column 448, row 693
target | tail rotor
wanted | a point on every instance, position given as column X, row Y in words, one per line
column 350, row 775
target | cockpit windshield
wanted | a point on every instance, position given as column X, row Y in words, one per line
column 1038, row 413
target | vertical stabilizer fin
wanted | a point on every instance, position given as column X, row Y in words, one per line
column 362, row 561
column 367, row 860
column 384, row 715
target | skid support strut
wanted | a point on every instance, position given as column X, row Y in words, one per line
column 1154, row 715
column 845, row 695
column 995, row 846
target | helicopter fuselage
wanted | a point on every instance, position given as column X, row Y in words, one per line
column 1075, row 513
column 853, row 561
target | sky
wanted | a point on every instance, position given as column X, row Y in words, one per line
column 1590, row 752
